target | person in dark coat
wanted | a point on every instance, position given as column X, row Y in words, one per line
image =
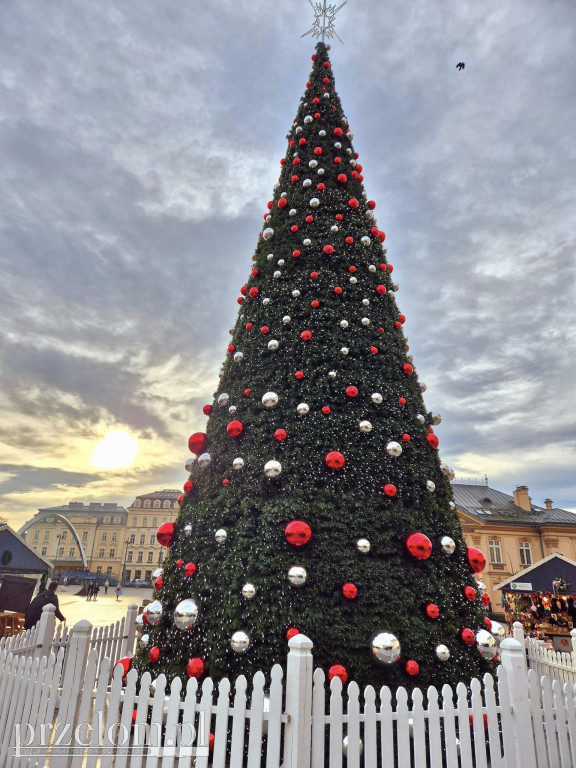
column 34, row 610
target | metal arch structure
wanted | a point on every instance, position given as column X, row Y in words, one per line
column 67, row 523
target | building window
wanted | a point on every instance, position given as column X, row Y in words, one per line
column 132, row 538
column 127, row 575
column 525, row 553
column 155, row 522
column 63, row 535
column 140, row 556
column 112, row 552
column 46, row 535
column 152, row 539
column 148, row 575
column 107, row 520
column 147, row 504
column 60, row 551
column 160, row 557
column 36, row 535
column 101, row 552
column 71, row 552
column 129, row 556
column 144, row 522
column 166, row 504
column 117, row 520
column 105, row 536
column 137, row 574
column 157, row 504
column 84, row 535
column 44, row 550
column 137, row 503
column 99, row 570
column 134, row 522
column 142, row 539
column 115, row 536
column 109, row 571
column 495, row 547
column 150, row 557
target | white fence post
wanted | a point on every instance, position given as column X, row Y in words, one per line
column 513, row 658
column 45, row 631
column 518, row 632
column 298, row 730
column 129, row 631
column 72, row 685
column 573, row 638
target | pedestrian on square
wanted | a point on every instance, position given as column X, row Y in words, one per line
column 90, row 591
column 106, row 585
column 118, row 590
column 34, row 610
column 95, row 590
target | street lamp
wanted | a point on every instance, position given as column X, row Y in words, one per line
column 58, row 537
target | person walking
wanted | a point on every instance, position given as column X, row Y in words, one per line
column 90, row 590
column 118, row 590
column 106, row 585
column 95, row 590
column 34, row 610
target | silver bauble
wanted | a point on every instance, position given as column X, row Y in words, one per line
column 306, row 241
column 366, row 302
column 281, row 262
column 396, row 287
column 302, row 409
column 365, row 321
column 386, row 647
column 221, row 373
column 338, row 145
column 344, row 350
column 365, row 240
column 157, row 573
column 313, row 163
column 372, row 267
column 240, row 642
column 393, row 448
column 298, row 129
column 270, row 399
column 365, row 426
column 189, row 465
column 295, row 293
column 187, row 530
column 314, row 202
column 139, row 623
column 308, row 119
column 332, row 374
column 436, row 419
column 320, row 171
column 497, row 631
column 322, row 133
column 223, row 399
column 326, row 95
column 238, row 463
column 353, row 280
column 447, row 545
column 307, row 183
column 422, row 386
column 297, row 575
column 273, row 344
column 277, row 274
column 410, row 358
column 363, row 546
column 286, row 319
column 421, row 419
column 204, row 459
column 186, row 614
column 292, row 212
column 451, row 505
column 486, row 644
column 442, row 652
column 272, row 468
column 285, row 194
column 334, row 228
column 267, row 233
column 430, row 486
column 232, row 410
column 144, row 640
column 238, row 357
column 376, row 397
column 220, row 535
column 266, row 302
column 345, row 746
column 248, row 591
column 270, row 256
column 481, row 587
column 154, row 612
column 344, row 323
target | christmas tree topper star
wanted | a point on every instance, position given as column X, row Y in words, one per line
column 324, row 17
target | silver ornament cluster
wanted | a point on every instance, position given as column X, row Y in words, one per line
column 185, row 614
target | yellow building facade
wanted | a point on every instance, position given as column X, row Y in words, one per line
column 512, row 532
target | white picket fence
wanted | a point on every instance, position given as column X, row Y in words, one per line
column 557, row 665
column 70, row 716
column 113, row 641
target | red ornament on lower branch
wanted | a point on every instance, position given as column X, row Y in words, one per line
column 195, row 668
column 432, row 611
column 349, row 590
column 390, row 490
column 470, row 594
column 292, row 632
column 337, row 670
column 298, row 533
column 467, row 636
column 412, row 667
column 335, row 460
column 154, row 654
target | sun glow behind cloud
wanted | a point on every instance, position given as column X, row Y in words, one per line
column 117, row 451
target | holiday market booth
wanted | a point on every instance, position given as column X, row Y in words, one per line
column 543, row 598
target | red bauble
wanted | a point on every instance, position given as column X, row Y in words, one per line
column 231, row 348
column 302, row 141
column 467, row 636
column 195, row 668
column 488, row 623
column 180, row 499
column 295, row 178
column 419, row 546
column 253, row 292
column 280, row 435
column 406, row 438
column 381, row 236
column 353, row 203
column 317, row 150
column 188, row 486
column 314, row 303
column 432, row 441
column 338, row 217
column 306, row 335
column 342, row 178
column 299, row 375
column 349, row 240
column 334, row 460
column 197, row 443
column 244, row 290
column 381, row 290
column 397, row 325
column 337, row 131
column 374, row 350
column 349, row 590
column 179, row 563
column 295, row 254
column 328, row 249
column 326, row 410
column 165, row 534
column 154, row 654
column 476, row 559
column 247, row 392
column 371, row 203
column 309, row 219
column 226, row 481
column 298, row 533
column 402, row 400
column 402, row 318
column 412, row 667
column 432, row 611
column 337, row 670
column 352, row 391
column 338, row 290
column 296, row 161
column 321, row 186
column 470, row 594
column 282, row 203
column 235, row 428
column 337, row 160
column 292, row 632
column 485, row 599
column 294, row 228
column 316, row 100
column 382, row 267
column 206, row 410
column 125, row 663
column 352, row 269
column 313, row 275
column 374, row 231
column 240, row 299
column 390, row 490
column 158, row 584
column 211, row 740
column 389, row 267
column 190, row 569
column 407, row 368
column 327, row 64
column 264, row 329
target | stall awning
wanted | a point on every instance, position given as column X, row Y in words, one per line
column 539, row 577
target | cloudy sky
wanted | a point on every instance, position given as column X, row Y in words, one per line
column 139, row 144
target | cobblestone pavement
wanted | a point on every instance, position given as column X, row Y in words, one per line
column 104, row 610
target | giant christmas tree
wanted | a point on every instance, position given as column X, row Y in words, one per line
column 317, row 502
